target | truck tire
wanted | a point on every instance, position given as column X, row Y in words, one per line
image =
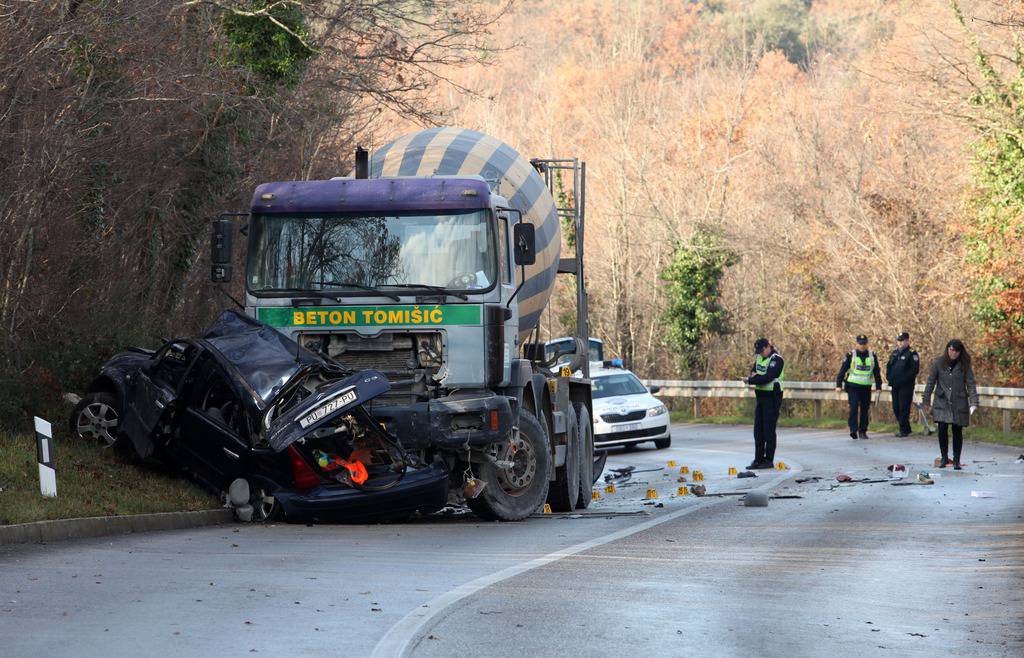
column 586, row 433
column 565, row 490
column 514, row 494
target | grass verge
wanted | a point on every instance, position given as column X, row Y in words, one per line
column 91, row 481
column 974, row 432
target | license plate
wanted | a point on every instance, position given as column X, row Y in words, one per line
column 330, row 407
column 628, row 427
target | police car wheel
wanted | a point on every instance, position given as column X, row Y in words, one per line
column 514, row 493
column 661, row 444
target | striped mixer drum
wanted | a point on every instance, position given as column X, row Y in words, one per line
column 457, row 151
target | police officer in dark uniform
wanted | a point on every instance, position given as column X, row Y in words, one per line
column 901, row 373
column 859, row 367
column 766, row 376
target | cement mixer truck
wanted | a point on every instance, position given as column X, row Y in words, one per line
column 433, row 264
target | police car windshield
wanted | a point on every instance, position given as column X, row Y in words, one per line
column 452, row 251
column 625, row 383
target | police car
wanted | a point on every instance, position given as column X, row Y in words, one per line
column 625, row 411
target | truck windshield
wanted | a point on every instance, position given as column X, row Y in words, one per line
column 454, row 251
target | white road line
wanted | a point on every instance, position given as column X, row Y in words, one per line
column 399, row 640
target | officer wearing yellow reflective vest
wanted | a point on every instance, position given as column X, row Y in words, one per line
column 859, row 368
column 766, row 377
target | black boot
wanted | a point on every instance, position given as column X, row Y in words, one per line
column 945, row 462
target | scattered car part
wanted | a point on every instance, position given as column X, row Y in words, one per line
column 755, row 499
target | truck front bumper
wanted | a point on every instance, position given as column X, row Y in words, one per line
column 464, row 420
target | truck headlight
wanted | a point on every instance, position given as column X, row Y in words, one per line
column 658, row 410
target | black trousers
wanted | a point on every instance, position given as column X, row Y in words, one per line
column 958, row 440
column 902, row 400
column 766, row 417
column 860, row 404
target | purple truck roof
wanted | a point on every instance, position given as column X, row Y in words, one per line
column 371, row 195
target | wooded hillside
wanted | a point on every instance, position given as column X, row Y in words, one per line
column 804, row 170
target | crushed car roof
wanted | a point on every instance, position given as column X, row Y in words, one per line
column 264, row 357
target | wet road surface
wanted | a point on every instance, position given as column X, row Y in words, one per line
column 845, row 570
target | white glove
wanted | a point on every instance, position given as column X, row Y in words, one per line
column 973, row 409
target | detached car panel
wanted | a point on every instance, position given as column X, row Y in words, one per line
column 245, row 401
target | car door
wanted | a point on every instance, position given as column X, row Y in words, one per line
column 213, row 429
column 152, row 391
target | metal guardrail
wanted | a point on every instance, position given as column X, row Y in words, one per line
column 991, row 397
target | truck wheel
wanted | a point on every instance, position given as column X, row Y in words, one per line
column 565, row 490
column 586, row 434
column 516, row 492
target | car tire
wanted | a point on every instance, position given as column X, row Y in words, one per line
column 587, row 461
column 661, row 444
column 97, row 418
column 565, row 490
column 502, row 499
column 265, row 507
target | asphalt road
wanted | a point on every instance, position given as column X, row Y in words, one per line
column 845, row 570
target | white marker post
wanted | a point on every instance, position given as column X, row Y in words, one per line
column 46, row 457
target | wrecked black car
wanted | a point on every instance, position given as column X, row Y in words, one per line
column 244, row 404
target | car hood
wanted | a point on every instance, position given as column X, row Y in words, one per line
column 621, row 403
column 263, row 357
column 327, row 403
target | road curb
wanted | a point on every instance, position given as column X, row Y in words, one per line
column 101, row 526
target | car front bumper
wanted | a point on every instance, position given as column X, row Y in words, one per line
column 423, row 490
column 648, row 428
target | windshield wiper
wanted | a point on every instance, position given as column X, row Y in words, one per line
column 389, row 295
column 300, row 291
column 438, row 289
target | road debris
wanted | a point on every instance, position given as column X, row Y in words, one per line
column 897, row 471
column 698, row 489
column 755, row 499
column 983, row 494
column 814, row 478
column 747, row 474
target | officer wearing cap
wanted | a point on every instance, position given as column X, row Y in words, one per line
column 901, row 373
column 766, row 376
column 859, row 367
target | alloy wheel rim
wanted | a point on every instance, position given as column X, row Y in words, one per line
column 99, row 421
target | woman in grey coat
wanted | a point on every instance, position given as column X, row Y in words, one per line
column 956, row 397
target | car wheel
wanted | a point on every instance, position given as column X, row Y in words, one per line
column 661, row 444
column 587, row 461
column 265, row 508
column 96, row 418
column 515, row 492
column 565, row 490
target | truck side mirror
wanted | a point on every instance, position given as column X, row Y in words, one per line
column 524, row 238
column 221, row 250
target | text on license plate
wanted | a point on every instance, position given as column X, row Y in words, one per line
column 628, row 427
